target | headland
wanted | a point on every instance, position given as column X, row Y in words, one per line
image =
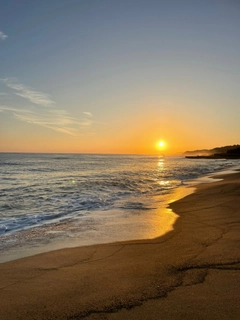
column 228, row 152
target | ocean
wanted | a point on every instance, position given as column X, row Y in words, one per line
column 51, row 201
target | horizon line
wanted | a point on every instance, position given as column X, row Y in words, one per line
column 93, row 153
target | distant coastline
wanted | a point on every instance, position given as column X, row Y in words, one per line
column 214, row 156
column 227, row 152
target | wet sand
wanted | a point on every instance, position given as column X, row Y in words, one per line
column 190, row 273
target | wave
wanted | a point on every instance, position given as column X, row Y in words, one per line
column 47, row 189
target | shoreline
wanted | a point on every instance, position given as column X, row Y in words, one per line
column 155, row 225
column 106, row 281
column 150, row 225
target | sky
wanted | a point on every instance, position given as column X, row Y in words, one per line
column 110, row 76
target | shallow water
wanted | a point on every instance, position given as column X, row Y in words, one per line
column 57, row 200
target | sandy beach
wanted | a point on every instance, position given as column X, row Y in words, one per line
column 191, row 272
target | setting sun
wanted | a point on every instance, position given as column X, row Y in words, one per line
column 161, row 144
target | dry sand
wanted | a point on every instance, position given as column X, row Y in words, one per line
column 190, row 273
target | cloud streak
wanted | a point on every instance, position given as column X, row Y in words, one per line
column 47, row 116
column 87, row 121
column 3, row 36
column 30, row 94
column 57, row 120
column 87, row 113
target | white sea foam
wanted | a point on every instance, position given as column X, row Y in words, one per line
column 49, row 198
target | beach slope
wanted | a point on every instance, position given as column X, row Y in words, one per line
column 193, row 272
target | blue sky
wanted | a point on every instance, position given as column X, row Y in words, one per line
column 116, row 76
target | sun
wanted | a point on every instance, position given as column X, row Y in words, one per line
column 161, row 144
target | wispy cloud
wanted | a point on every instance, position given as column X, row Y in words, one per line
column 60, row 124
column 87, row 113
column 87, row 121
column 30, row 94
column 57, row 120
column 48, row 115
column 7, row 108
column 3, row 36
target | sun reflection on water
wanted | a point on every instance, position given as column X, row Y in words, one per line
column 164, row 183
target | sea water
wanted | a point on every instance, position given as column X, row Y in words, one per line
column 51, row 201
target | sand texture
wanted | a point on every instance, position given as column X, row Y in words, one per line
column 193, row 272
